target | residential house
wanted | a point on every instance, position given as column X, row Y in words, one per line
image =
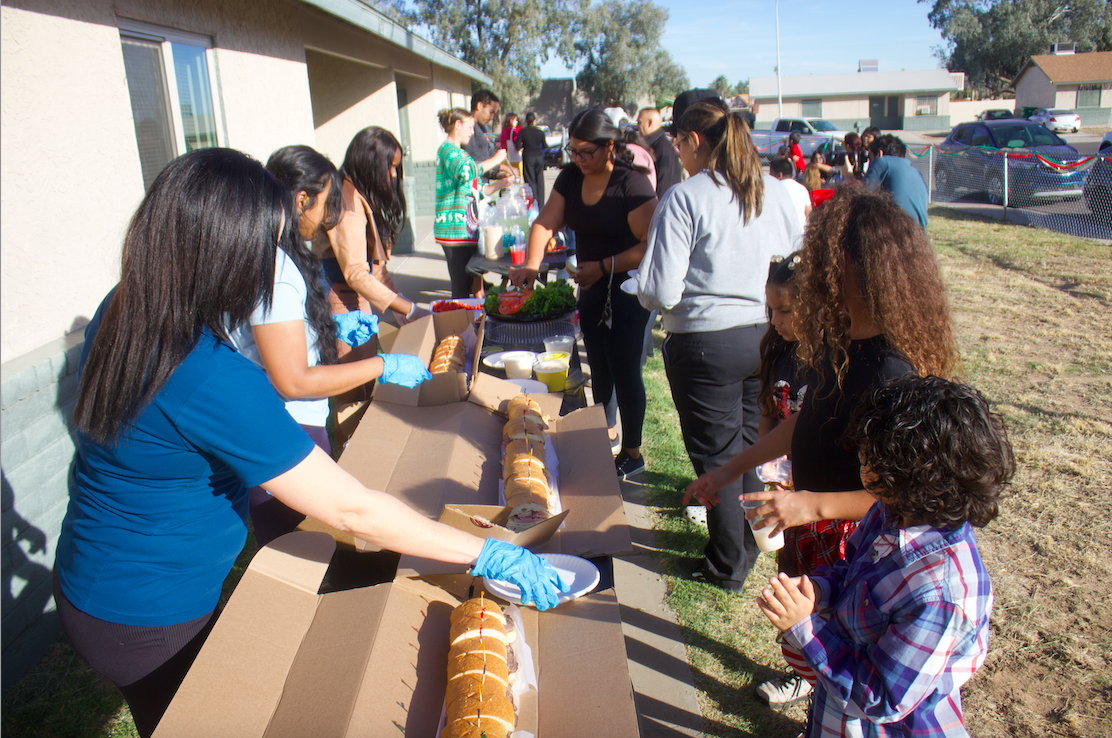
column 1081, row 82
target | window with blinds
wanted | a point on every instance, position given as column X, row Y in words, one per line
column 812, row 108
column 170, row 82
column 1088, row 96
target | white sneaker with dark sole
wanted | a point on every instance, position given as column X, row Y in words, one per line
column 780, row 693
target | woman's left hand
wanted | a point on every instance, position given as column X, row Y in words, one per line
column 588, row 273
column 783, row 508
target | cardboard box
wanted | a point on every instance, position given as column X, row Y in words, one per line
column 284, row 661
column 420, row 339
column 435, row 456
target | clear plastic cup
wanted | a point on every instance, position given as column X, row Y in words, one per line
column 517, row 255
column 765, row 542
column 554, row 356
column 554, row 373
column 559, row 344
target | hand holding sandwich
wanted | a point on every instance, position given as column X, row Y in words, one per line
column 538, row 581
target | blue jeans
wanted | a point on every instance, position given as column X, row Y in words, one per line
column 715, row 390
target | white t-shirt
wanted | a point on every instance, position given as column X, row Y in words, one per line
column 290, row 297
column 801, row 198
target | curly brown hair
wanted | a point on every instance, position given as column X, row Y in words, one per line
column 934, row 451
column 895, row 272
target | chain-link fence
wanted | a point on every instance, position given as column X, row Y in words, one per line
column 1072, row 196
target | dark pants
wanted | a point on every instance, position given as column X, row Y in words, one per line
column 715, row 392
column 615, row 355
column 532, row 169
column 148, row 664
column 270, row 517
column 463, row 282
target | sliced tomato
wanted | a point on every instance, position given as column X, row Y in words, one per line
column 510, row 302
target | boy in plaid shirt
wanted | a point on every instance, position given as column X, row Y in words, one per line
column 897, row 628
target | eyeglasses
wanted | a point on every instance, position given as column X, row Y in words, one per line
column 677, row 140
column 575, row 154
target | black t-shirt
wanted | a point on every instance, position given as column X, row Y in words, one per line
column 668, row 170
column 820, row 463
column 531, row 142
column 602, row 229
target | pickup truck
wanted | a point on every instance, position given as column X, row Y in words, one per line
column 813, row 133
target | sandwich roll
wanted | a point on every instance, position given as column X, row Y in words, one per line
column 522, row 428
column 478, row 700
column 449, row 356
column 523, row 406
column 524, row 457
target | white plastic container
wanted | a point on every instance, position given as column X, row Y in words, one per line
column 519, row 364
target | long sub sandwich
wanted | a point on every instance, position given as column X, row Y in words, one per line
column 481, row 671
column 525, row 476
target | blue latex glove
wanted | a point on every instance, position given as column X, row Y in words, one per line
column 355, row 328
column 538, row 581
column 403, row 369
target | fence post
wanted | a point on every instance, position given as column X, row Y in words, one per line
column 1005, row 186
column 930, row 171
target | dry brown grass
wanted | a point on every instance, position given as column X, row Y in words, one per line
column 1033, row 311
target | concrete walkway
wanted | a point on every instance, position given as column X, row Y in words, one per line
column 665, row 696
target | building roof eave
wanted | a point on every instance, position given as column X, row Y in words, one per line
column 370, row 20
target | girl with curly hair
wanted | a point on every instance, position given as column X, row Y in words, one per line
column 871, row 307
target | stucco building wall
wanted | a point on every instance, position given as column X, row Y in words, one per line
column 70, row 179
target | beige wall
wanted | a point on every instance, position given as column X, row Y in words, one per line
column 69, row 171
column 347, row 97
column 966, row 110
column 69, row 157
column 1035, row 89
column 69, row 165
column 1065, row 96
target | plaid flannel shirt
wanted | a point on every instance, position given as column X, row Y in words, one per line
column 908, row 626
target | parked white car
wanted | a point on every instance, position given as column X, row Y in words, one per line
column 1058, row 119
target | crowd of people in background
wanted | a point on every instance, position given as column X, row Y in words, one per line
column 795, row 328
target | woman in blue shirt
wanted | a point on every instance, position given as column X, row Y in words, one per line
column 173, row 425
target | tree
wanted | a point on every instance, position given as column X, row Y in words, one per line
column 991, row 40
column 722, row 86
column 507, row 39
column 726, row 91
column 619, row 43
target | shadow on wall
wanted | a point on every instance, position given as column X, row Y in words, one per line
column 337, row 85
column 26, row 586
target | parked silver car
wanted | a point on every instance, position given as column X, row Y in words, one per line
column 1058, row 119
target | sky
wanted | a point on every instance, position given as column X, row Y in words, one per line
column 737, row 38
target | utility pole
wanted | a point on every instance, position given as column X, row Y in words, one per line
column 779, row 89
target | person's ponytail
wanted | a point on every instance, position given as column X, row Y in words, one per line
column 731, row 154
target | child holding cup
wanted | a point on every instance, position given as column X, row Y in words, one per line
column 897, row 628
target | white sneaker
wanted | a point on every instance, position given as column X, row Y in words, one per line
column 783, row 692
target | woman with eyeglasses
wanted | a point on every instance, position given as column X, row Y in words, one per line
column 608, row 203
column 709, row 248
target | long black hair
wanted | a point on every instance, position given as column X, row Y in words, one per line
column 595, row 126
column 304, row 169
column 199, row 254
column 367, row 164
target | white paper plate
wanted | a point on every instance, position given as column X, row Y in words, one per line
column 494, row 361
column 632, row 273
column 582, row 575
column 630, row 286
column 532, row 386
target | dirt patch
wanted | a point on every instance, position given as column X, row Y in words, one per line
column 1032, row 312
